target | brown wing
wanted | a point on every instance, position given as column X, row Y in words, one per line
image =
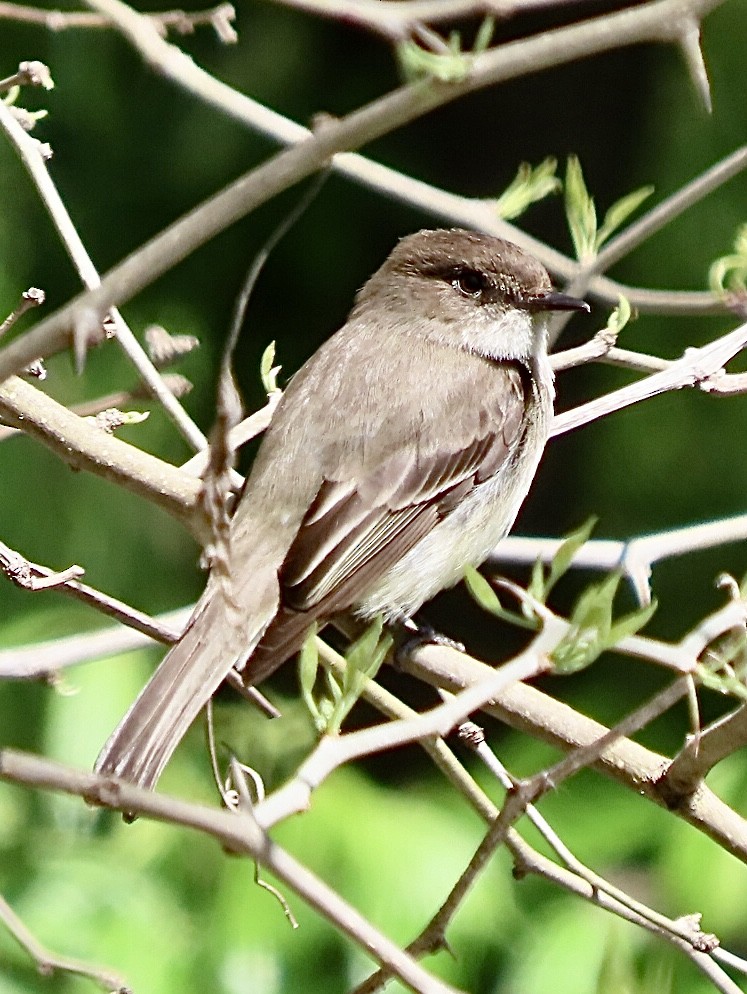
column 356, row 528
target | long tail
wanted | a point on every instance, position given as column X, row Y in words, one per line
column 188, row 676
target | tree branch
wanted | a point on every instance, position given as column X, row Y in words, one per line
column 657, row 21
column 49, row 963
column 84, row 446
column 237, row 832
column 87, row 326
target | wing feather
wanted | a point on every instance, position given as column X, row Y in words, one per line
column 358, row 526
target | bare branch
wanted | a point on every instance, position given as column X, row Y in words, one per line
column 396, row 19
column 83, row 446
column 31, row 576
column 333, row 752
column 694, row 367
column 658, row 217
column 86, row 326
column 701, row 753
column 527, row 709
column 247, row 429
column 220, row 18
column 32, row 73
column 239, row 833
column 651, row 22
column 634, row 557
column 30, row 298
column 49, row 963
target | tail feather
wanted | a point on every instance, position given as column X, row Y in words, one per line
column 284, row 635
column 188, row 676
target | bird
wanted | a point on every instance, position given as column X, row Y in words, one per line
column 399, row 454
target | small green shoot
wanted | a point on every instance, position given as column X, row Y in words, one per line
column 722, row 683
column 588, row 237
column 267, row 371
column 485, row 597
column 445, row 61
column 531, row 183
column 723, row 664
column 484, row 36
column 543, row 581
column 363, row 659
column 593, row 629
column 728, row 274
column 308, row 667
column 619, row 317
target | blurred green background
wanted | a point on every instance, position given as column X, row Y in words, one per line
column 165, row 907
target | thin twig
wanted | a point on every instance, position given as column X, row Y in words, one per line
column 30, row 298
column 574, row 877
column 48, row 963
column 683, row 928
column 333, row 752
column 516, row 803
column 660, row 216
column 396, row 19
column 84, row 446
column 179, row 21
column 247, row 429
column 695, row 366
column 238, row 833
column 650, row 22
column 702, row 752
column 121, row 399
column 635, row 558
column 32, row 576
column 87, row 322
column 527, row 709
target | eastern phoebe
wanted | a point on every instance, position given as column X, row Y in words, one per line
column 399, row 454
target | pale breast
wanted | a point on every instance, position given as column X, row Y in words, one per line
column 467, row 535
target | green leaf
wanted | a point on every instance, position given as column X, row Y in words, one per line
column 631, row 623
column 536, row 585
column 366, row 654
column 362, row 662
column 267, row 371
column 590, row 625
column 580, row 211
column 308, row 667
column 329, row 707
column 485, row 596
column 484, row 36
column 593, row 630
column 619, row 212
column 722, row 683
column 620, row 316
column 482, row 592
column 528, row 186
column 542, row 581
column 335, row 690
column 563, row 558
column 728, row 274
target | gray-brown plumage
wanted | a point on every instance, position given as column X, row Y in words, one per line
column 399, row 454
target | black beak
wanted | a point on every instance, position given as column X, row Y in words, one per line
column 555, row 301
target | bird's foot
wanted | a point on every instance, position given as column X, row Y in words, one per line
column 417, row 636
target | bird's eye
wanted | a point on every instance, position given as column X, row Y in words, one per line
column 470, row 282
